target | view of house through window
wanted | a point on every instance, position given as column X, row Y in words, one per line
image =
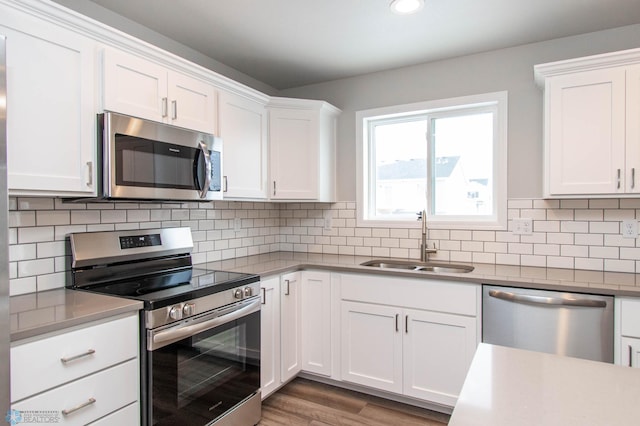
column 439, row 159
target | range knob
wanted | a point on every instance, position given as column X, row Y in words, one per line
column 175, row 312
column 238, row 293
column 248, row 292
column 188, row 309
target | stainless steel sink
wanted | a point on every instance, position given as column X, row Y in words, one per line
column 418, row 266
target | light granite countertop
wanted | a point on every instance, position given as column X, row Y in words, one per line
column 506, row 386
column 36, row 314
column 609, row 283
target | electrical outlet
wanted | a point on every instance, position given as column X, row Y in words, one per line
column 523, row 226
column 630, row 229
column 328, row 223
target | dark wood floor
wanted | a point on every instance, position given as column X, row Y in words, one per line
column 305, row 402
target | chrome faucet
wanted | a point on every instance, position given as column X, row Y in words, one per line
column 424, row 250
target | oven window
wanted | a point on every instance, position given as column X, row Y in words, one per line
column 146, row 163
column 199, row 378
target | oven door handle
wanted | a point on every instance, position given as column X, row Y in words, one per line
column 166, row 337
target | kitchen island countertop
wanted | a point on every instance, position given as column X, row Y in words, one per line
column 506, row 387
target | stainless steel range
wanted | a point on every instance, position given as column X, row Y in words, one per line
column 199, row 330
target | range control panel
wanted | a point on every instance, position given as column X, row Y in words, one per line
column 135, row 241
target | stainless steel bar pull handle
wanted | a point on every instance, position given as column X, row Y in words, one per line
column 274, row 187
column 75, row 357
column 618, row 179
column 633, row 177
column 165, row 107
column 264, row 295
column 90, row 171
column 406, row 324
column 225, row 184
column 542, row 300
column 630, row 356
column 174, row 110
column 90, row 401
column 287, row 291
column 397, row 329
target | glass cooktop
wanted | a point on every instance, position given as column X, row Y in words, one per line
column 165, row 289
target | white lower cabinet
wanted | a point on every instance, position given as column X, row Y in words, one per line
column 316, row 322
column 79, row 376
column 628, row 334
column 371, row 346
column 389, row 344
column 270, row 336
column 280, row 351
column 410, row 337
column 630, row 351
column 437, row 352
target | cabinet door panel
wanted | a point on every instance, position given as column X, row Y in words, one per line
column 270, row 336
column 316, row 322
column 371, row 346
column 586, row 125
column 243, row 128
column 51, row 110
column 134, row 86
column 293, row 135
column 438, row 349
column 290, row 327
column 630, row 352
column 633, row 130
column 191, row 103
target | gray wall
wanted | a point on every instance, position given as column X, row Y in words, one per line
column 507, row 69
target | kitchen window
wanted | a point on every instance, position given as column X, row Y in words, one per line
column 448, row 157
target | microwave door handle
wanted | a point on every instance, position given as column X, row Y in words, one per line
column 207, row 165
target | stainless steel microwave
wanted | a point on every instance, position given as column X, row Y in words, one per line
column 145, row 160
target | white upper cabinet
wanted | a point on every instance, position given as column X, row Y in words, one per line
column 243, row 128
column 302, row 138
column 51, row 110
column 592, row 135
column 141, row 88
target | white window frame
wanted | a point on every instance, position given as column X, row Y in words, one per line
column 496, row 100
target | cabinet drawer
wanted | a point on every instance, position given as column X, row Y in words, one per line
column 426, row 294
column 129, row 415
column 37, row 366
column 630, row 317
column 111, row 389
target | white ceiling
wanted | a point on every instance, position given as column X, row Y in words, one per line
column 290, row 43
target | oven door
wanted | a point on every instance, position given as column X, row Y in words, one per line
column 147, row 160
column 196, row 379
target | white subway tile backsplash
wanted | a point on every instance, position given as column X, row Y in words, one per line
column 86, row 217
column 30, row 268
column 17, row 219
column 584, row 234
column 589, row 264
column 604, row 227
column 52, row 217
column 35, row 234
column 22, row 252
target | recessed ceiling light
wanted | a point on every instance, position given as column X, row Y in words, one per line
column 405, row 7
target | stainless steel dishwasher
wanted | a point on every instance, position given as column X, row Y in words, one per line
column 571, row 324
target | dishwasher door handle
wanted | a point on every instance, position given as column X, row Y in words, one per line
column 541, row 300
